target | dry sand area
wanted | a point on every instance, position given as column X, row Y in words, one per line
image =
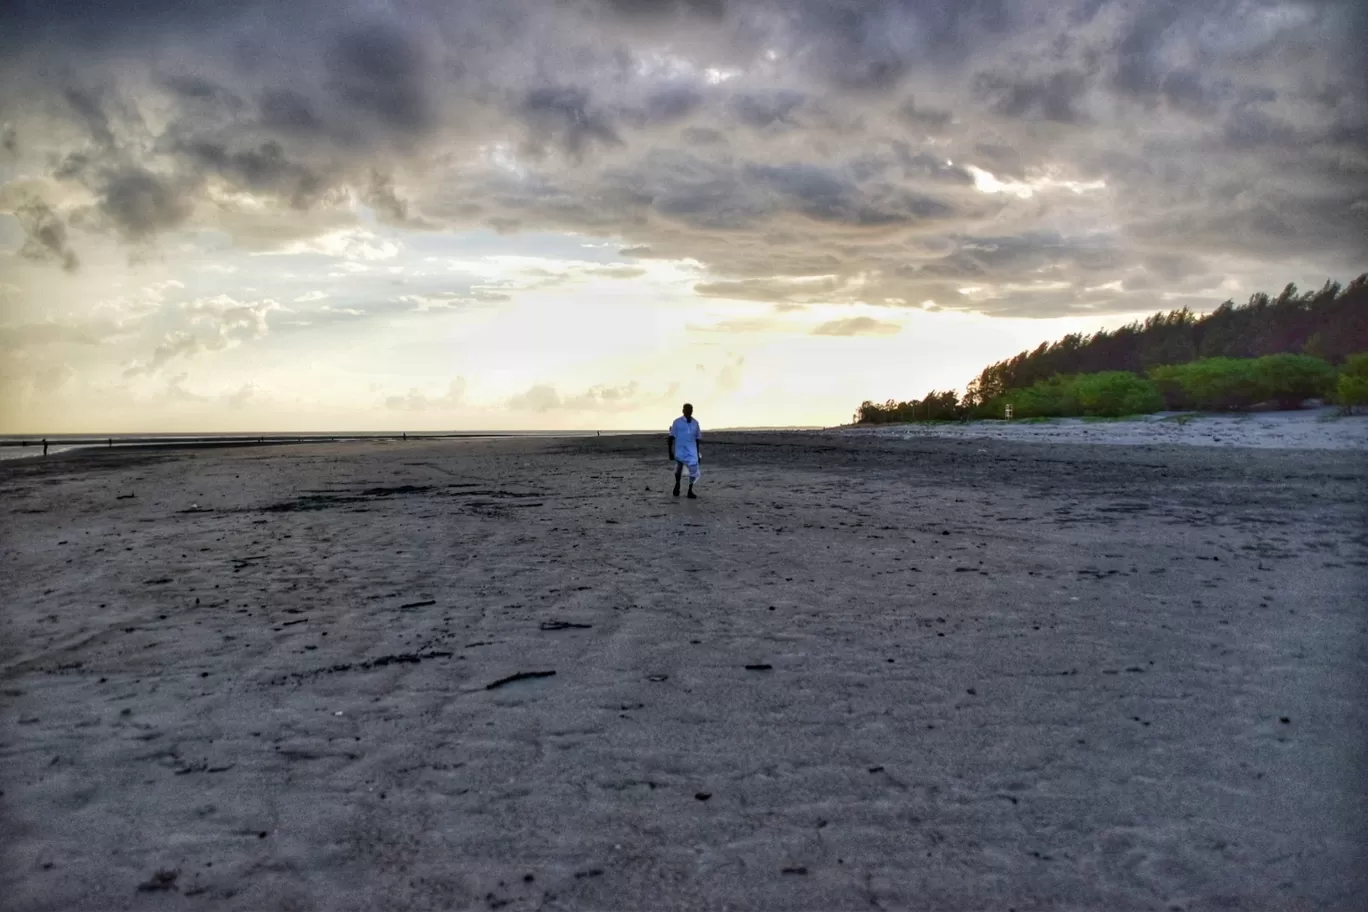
column 1323, row 428
column 857, row 674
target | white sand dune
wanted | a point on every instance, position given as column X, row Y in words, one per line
column 860, row 674
column 1313, row 429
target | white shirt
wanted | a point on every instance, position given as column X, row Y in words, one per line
column 686, row 434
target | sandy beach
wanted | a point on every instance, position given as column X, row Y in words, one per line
column 859, row 673
column 1323, row 428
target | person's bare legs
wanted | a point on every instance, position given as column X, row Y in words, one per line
column 679, row 470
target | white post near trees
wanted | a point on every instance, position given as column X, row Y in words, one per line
column 1008, row 411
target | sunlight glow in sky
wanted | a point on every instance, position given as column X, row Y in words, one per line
column 496, row 215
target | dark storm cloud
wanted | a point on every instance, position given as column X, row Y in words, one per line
column 378, row 71
column 1053, row 98
column 667, row 105
column 140, row 204
column 90, row 113
column 565, row 115
column 381, row 196
column 200, row 91
column 263, row 169
column 920, row 117
column 45, row 237
column 820, row 194
column 89, row 24
column 288, row 112
column 1184, row 90
column 1139, row 71
column 769, row 109
column 1016, row 257
column 873, row 45
column 655, row 9
column 1249, row 127
column 766, row 140
column 703, row 136
column 929, row 167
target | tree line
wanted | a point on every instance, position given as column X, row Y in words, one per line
column 1286, row 349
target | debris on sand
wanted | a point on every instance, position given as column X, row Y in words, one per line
column 520, row 676
column 403, row 658
column 161, row 881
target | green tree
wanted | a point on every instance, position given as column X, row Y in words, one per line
column 1213, row 384
column 1351, row 389
column 1331, row 323
column 1112, row 394
column 1052, row 398
column 1292, row 379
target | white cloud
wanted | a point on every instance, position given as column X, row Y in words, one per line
column 416, row 401
column 857, row 326
column 986, row 182
column 207, row 324
column 544, row 397
column 355, row 245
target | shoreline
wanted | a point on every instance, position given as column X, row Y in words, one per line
column 1305, row 429
column 59, row 446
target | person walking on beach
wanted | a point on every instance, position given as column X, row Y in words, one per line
column 684, row 436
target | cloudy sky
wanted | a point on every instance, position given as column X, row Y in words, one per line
column 410, row 214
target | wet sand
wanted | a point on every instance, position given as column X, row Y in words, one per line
column 857, row 674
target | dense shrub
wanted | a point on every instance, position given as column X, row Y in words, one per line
column 1052, row 398
column 1292, row 379
column 1351, row 389
column 1111, row 394
column 937, row 406
column 1223, row 384
column 1168, row 379
column 1211, row 384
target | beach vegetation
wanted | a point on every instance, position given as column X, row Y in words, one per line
column 1236, row 384
column 1211, row 384
column 1110, row 394
column 1351, row 386
column 1330, row 323
column 934, row 406
column 1289, row 380
column 1279, row 351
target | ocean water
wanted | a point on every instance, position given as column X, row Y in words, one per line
column 24, row 452
column 21, row 447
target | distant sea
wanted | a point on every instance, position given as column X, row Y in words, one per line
column 16, row 446
column 19, row 446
